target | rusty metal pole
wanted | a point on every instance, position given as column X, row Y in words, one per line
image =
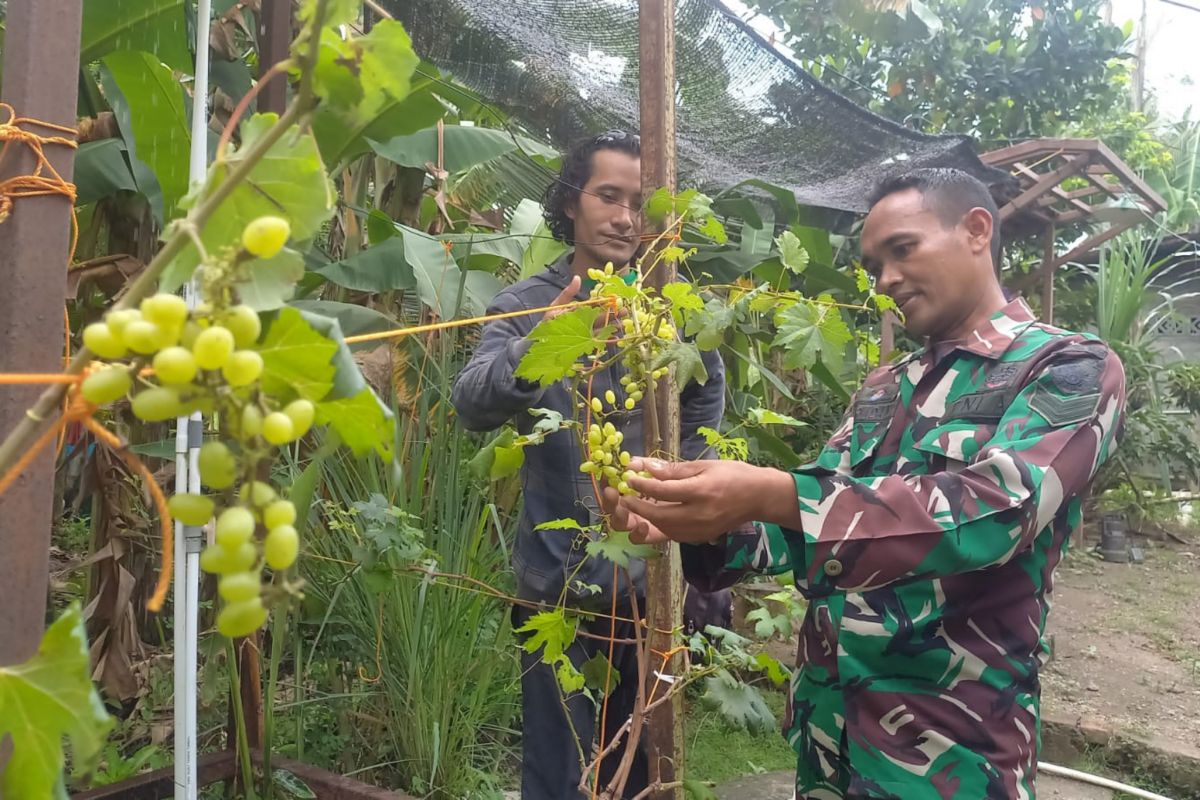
column 41, row 80
column 663, row 735
column 274, row 44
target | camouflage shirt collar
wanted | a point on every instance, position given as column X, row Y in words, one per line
column 990, row 340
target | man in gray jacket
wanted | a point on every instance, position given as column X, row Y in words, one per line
column 595, row 205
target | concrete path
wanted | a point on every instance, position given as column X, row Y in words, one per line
column 778, row 786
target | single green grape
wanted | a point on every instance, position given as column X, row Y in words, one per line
column 187, row 336
column 100, row 339
column 252, row 420
column 191, row 509
column 278, row 428
column 106, row 385
column 241, row 619
column 235, row 526
column 280, row 512
column 244, row 324
column 218, row 467
column 220, row 561
column 301, row 413
column 157, row 404
column 142, row 336
column 266, row 236
column 256, row 493
column 597, row 406
column 281, row 547
column 238, row 586
column 118, row 320
column 175, row 365
column 213, row 347
column 242, row 368
column 165, row 310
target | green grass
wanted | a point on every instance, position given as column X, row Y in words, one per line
column 718, row 752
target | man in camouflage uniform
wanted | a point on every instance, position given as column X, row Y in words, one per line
column 926, row 533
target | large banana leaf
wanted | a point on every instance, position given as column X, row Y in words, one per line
column 153, row 26
column 462, row 147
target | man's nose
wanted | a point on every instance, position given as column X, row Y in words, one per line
column 623, row 218
column 888, row 278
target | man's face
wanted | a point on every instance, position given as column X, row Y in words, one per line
column 936, row 273
column 608, row 219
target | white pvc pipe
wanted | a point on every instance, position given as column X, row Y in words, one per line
column 187, row 478
column 1096, row 780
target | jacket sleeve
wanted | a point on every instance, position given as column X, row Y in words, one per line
column 1041, row 458
column 486, row 393
column 702, row 407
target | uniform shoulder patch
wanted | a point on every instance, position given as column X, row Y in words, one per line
column 1063, row 410
column 1080, row 375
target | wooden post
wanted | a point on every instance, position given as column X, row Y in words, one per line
column 41, row 80
column 663, row 735
column 1048, row 271
column 274, row 43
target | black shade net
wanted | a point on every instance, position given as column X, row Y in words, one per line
column 569, row 69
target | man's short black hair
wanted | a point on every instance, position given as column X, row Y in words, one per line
column 950, row 194
column 563, row 193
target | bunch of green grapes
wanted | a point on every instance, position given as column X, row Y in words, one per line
column 171, row 361
column 607, row 460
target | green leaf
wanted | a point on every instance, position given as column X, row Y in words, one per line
column 776, row 672
column 728, row 448
column 380, row 227
column 709, row 326
column 439, row 279
column 101, row 171
column 884, row 302
column 740, row 704
column 543, row 251
column 160, row 132
column 45, row 699
column 154, row 26
column 689, row 366
column 764, row 416
column 297, row 358
column 713, row 229
column 767, row 624
column 698, row 790
column 550, row 630
column 618, row 548
column 499, row 458
column 379, row 268
column 548, row 422
column 559, row 343
column 791, row 252
column 682, row 296
column 337, row 12
column 659, row 204
column 352, row 318
column 862, row 280
column 569, row 679
column 463, row 147
column 507, row 462
column 290, row 181
column 363, row 75
column 342, row 139
column 816, row 242
column 566, row 524
column 599, row 675
column 270, row 283
column 808, row 330
column 361, row 423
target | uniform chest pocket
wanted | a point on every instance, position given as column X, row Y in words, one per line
column 957, row 441
column 872, row 417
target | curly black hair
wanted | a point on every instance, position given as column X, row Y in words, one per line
column 563, row 193
column 950, row 194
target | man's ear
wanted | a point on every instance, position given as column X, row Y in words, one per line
column 572, row 210
column 978, row 223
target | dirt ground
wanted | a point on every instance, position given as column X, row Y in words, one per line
column 1126, row 641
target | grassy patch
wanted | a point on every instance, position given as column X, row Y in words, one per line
column 718, row 752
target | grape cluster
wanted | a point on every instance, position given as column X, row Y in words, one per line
column 607, row 461
column 171, row 361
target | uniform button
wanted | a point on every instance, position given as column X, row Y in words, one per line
column 833, row 568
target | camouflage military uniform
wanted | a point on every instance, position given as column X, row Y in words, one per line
column 932, row 524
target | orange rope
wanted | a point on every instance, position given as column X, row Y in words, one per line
column 461, row 323
column 45, row 180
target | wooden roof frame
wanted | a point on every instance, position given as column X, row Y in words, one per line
column 1042, row 200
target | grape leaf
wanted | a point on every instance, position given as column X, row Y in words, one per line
column 884, row 302
column 728, row 448
column 297, row 358
column 559, row 342
column 791, row 252
column 483, row 463
column 617, row 548
column 598, row 674
column 740, row 704
column 807, row 330
column 289, row 181
column 698, row 790
column 713, row 229
column 49, row 697
column 767, row 624
column 709, row 325
column 363, row 74
column 659, row 204
column 549, row 420
column 270, row 283
column 682, row 296
column 689, row 366
column 550, row 630
column 569, row 678
column 361, row 422
column 764, row 416
column 337, row 12
column 862, row 280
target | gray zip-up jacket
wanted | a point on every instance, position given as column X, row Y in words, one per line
column 487, row 394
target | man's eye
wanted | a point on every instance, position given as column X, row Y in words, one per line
column 903, row 250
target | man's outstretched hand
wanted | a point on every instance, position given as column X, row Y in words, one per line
column 699, row 501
